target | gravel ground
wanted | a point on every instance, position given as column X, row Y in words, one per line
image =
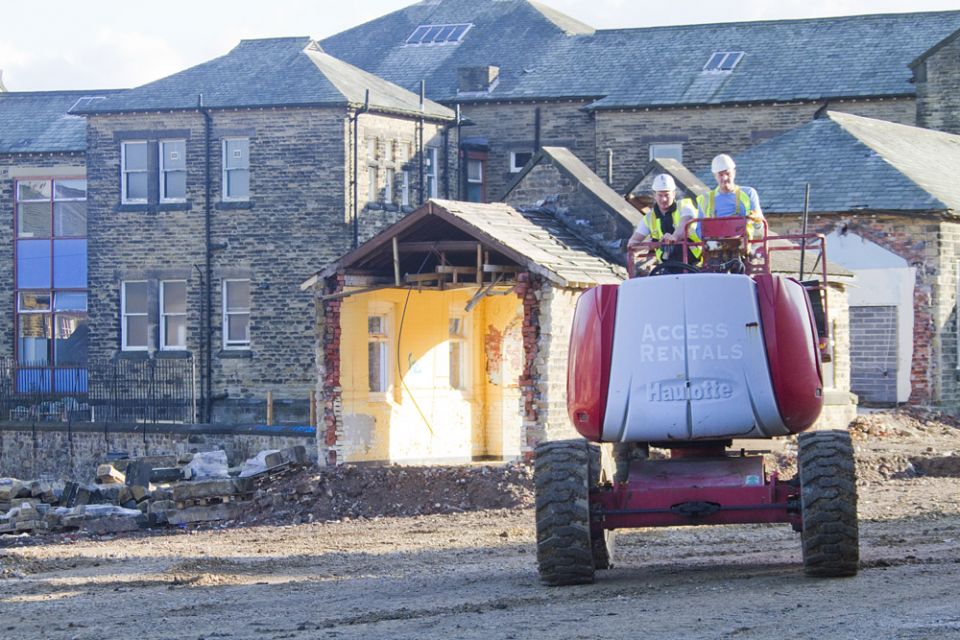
column 452, row 572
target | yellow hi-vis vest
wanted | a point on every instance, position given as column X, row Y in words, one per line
column 741, row 208
column 656, row 229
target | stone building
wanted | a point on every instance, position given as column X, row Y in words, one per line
column 885, row 195
column 212, row 191
column 528, row 76
column 467, row 309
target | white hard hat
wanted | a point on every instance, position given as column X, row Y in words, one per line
column 664, row 182
column 722, row 162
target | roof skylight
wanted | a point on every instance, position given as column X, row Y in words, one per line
column 437, row 34
column 723, row 61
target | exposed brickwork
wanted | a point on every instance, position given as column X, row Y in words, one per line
column 931, row 246
column 938, row 89
column 533, row 432
column 329, row 391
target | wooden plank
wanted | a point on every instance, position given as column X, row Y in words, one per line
column 442, row 245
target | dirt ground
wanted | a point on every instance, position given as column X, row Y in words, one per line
column 454, row 572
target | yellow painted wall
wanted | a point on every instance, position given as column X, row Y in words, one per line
column 421, row 417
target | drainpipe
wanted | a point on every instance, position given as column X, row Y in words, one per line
column 536, row 130
column 423, row 89
column 354, row 121
column 206, row 342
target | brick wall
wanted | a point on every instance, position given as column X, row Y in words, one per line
column 873, row 337
column 58, row 452
column 938, row 89
column 707, row 131
column 24, row 166
column 932, row 246
column 329, row 391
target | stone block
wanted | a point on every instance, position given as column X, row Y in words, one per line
column 138, row 472
column 108, row 474
column 110, row 524
column 226, row 511
column 166, row 474
column 205, row 489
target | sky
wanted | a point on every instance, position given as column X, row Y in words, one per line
column 107, row 44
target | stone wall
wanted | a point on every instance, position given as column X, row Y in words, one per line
column 512, row 127
column 707, row 131
column 938, row 88
column 298, row 219
column 59, row 451
column 23, row 166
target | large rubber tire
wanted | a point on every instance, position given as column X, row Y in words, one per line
column 564, row 550
column 601, row 470
column 828, row 500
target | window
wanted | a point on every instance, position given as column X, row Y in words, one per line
column 723, row 61
column 426, row 34
column 236, row 169
column 372, row 150
column 475, row 190
column 173, row 315
column 388, row 187
column 430, row 172
column 51, row 283
column 403, row 156
column 173, row 170
column 519, row 159
column 388, row 151
column 133, row 311
column 236, row 314
column 377, row 361
column 667, row 150
column 372, row 185
column 133, row 168
column 458, row 351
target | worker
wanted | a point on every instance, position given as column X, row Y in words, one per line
column 729, row 199
column 666, row 221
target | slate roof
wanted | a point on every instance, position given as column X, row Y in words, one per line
column 569, row 164
column 537, row 240
column 539, row 58
column 37, row 122
column 854, row 163
column 273, row 72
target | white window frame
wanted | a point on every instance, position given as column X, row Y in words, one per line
column 234, row 345
column 431, row 173
column 463, row 338
column 373, row 184
column 164, row 315
column 124, row 172
column 669, row 148
column 388, row 185
column 162, row 170
column 383, row 310
column 124, row 346
column 517, row 168
column 405, row 188
column 224, row 180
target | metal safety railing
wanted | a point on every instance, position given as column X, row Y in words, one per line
column 135, row 391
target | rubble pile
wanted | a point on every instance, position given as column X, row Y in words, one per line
column 349, row 492
column 274, row 487
column 141, row 493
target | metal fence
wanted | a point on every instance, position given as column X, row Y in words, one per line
column 137, row 391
